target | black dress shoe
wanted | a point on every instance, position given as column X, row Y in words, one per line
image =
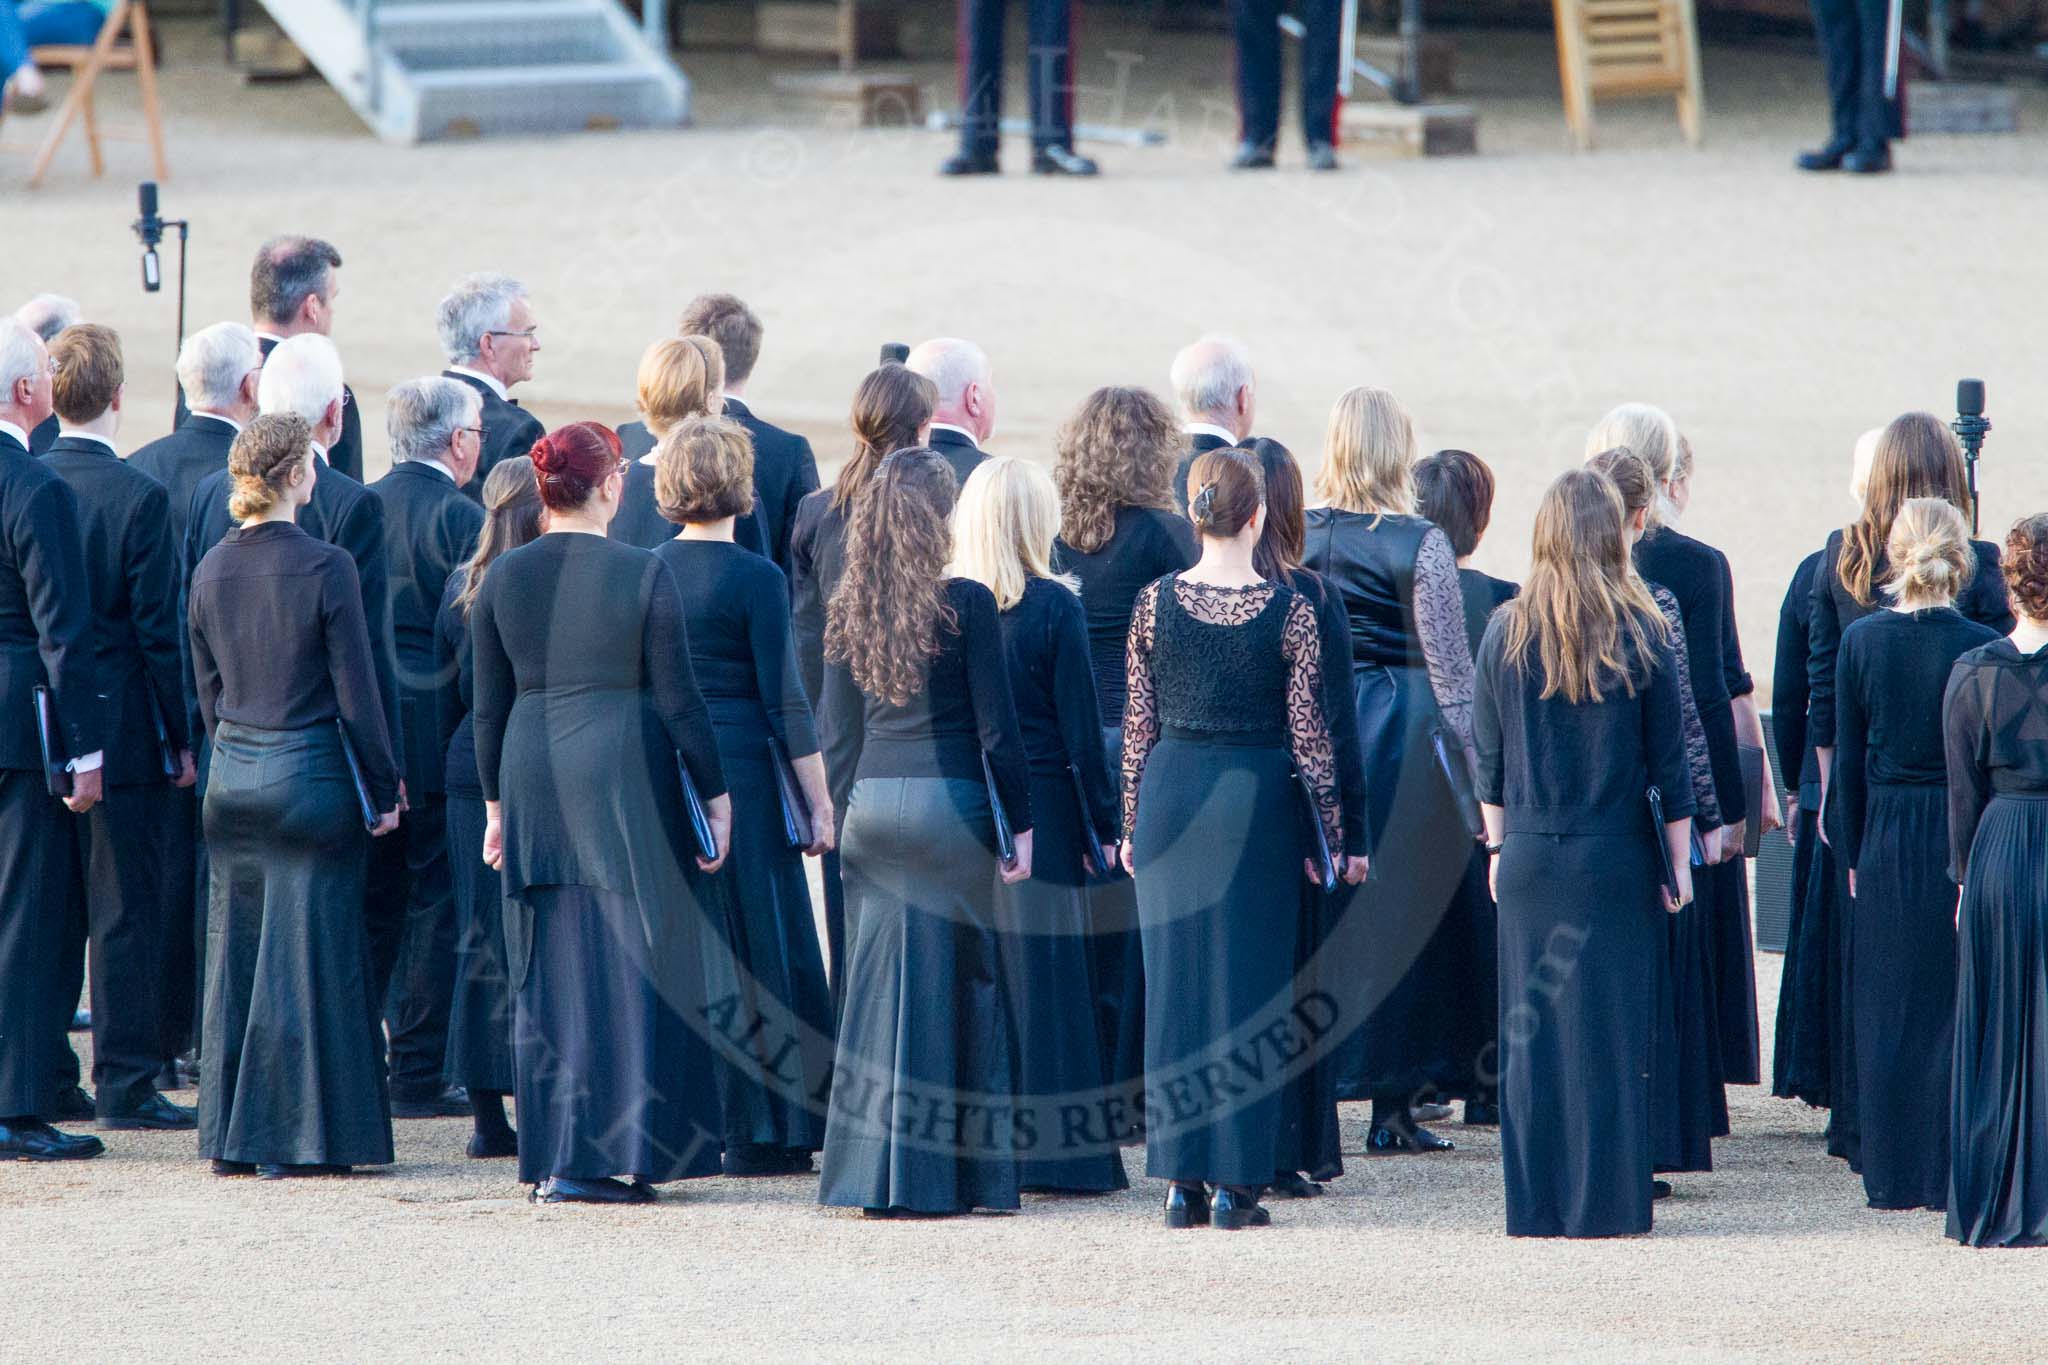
column 81, row 1021
column 489, row 1147
column 449, row 1104
column 1293, row 1185
column 1187, row 1206
column 561, row 1189
column 1660, row 1189
column 156, row 1114
column 34, row 1140
column 969, row 163
column 1404, row 1135
column 760, row 1159
column 1871, row 161
column 1826, row 158
column 1322, row 157
column 233, row 1167
column 1429, row 1112
column 1251, row 157
column 278, row 1170
column 1233, row 1210
column 1061, row 161
column 1479, row 1114
column 72, row 1105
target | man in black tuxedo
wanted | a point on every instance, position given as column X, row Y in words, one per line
column 965, row 416
column 1857, row 41
column 45, row 641
column 119, row 889
column 430, row 530
column 1257, row 23
column 490, row 339
column 1051, row 66
column 46, row 315
column 1217, row 395
column 784, row 468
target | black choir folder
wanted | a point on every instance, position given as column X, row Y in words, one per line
column 364, row 804
column 1321, row 857
column 1657, row 823
column 56, row 766
column 1006, row 840
column 700, row 819
column 1752, row 761
column 796, row 815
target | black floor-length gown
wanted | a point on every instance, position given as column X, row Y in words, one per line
column 777, row 1070
column 1890, row 775
column 1799, row 1063
column 924, row 1080
column 1581, row 933
column 480, row 1018
column 1998, row 828
column 1145, row 544
column 281, row 652
column 1483, row 595
column 1044, row 922
column 1224, row 708
column 586, row 714
column 817, row 558
column 1833, row 610
column 1417, row 985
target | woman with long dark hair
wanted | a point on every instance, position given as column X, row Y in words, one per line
column 777, row 1014
column 1577, row 719
column 587, row 720
column 1997, row 752
column 926, row 764
column 480, row 1021
column 281, row 658
column 1223, row 730
column 1309, row 1148
column 1119, row 530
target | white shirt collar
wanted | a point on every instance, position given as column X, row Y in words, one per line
column 220, row 417
column 262, row 335
column 732, row 398
column 320, row 451
column 948, row 426
column 9, row 429
column 488, row 381
column 66, row 434
column 432, row 463
column 1211, row 429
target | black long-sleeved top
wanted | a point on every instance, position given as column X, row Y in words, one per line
column 1483, row 595
column 1983, row 600
column 965, row 711
column 639, row 520
column 430, row 530
column 1696, row 575
column 817, row 558
column 456, row 695
column 45, row 612
column 1789, row 686
column 1333, row 625
column 124, row 518
column 1993, row 736
column 1046, row 645
column 1891, row 674
column 279, row 642
column 1562, row 768
column 1147, row 544
column 736, row 609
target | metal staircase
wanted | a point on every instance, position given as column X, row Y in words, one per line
column 417, row 70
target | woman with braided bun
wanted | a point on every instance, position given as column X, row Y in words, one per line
column 280, row 654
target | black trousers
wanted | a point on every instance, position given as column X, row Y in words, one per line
column 118, row 900
column 1051, row 68
column 1258, row 70
column 32, row 849
column 182, row 951
column 421, row 988
column 1853, row 35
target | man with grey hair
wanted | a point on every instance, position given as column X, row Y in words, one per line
column 430, row 530
column 966, row 412
column 46, row 315
column 489, row 338
column 1216, row 394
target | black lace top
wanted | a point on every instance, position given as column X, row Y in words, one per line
column 1698, row 761
column 1228, row 660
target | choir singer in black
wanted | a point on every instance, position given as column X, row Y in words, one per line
column 490, row 339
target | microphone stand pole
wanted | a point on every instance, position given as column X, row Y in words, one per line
column 1970, row 430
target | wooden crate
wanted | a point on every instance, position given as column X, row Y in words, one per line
column 849, row 30
column 1960, row 107
column 1409, row 130
column 857, row 99
column 1439, row 62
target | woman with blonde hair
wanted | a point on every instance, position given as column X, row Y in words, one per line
column 1423, row 996
column 1119, row 530
column 1890, row 774
column 1577, row 721
column 679, row 378
column 1003, row 531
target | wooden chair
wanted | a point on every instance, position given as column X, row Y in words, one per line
column 1623, row 48
column 107, row 53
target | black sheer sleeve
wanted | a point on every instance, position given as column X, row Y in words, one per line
column 995, row 708
column 1664, row 756
column 1340, row 712
column 351, row 666
column 1141, row 701
column 1850, row 797
column 1080, row 715
column 1440, row 628
column 1308, row 734
column 1823, row 640
column 205, row 679
column 1698, row 753
column 672, row 684
column 1788, row 679
column 1966, row 733
column 775, row 668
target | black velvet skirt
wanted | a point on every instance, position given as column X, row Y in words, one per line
column 1688, row 1105
column 294, row 1069
column 480, row 1022
column 1722, row 893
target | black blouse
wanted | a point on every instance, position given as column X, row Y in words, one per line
column 1995, row 741
column 1697, row 576
column 1484, row 595
column 736, row 609
column 279, row 643
column 1891, row 673
column 1340, row 713
column 964, row 712
column 817, row 557
column 1147, row 544
column 1046, row 644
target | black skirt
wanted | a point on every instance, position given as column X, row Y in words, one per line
column 1119, row 969
column 1218, row 851
column 1580, row 934
column 1722, row 893
column 1998, row 1124
column 1308, row 1107
column 1688, row 1105
column 480, row 1022
column 1904, row 922
column 294, row 1064
column 1830, row 888
column 1799, row 1065
column 923, row 1112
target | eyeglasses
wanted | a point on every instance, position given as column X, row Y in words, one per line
column 477, row 432
column 347, row 398
column 527, row 334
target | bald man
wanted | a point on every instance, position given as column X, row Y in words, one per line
column 966, row 413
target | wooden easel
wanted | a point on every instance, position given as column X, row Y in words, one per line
column 85, row 65
column 1628, row 48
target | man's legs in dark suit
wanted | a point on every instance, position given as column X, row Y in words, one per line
column 1321, row 55
column 980, row 43
column 1258, row 72
column 423, row 984
column 1052, row 74
column 124, row 886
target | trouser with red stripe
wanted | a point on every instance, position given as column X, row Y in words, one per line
column 1050, row 68
column 1258, row 69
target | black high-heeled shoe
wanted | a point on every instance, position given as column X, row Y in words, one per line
column 1187, row 1206
column 1233, row 1209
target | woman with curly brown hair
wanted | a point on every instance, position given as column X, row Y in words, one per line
column 1997, row 752
column 922, row 748
column 1119, row 530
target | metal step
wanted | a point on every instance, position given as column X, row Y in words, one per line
column 469, row 101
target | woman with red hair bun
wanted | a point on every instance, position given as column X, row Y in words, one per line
column 586, row 715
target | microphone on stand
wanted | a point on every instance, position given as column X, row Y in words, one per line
column 894, row 353
column 150, row 228
column 1970, row 428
